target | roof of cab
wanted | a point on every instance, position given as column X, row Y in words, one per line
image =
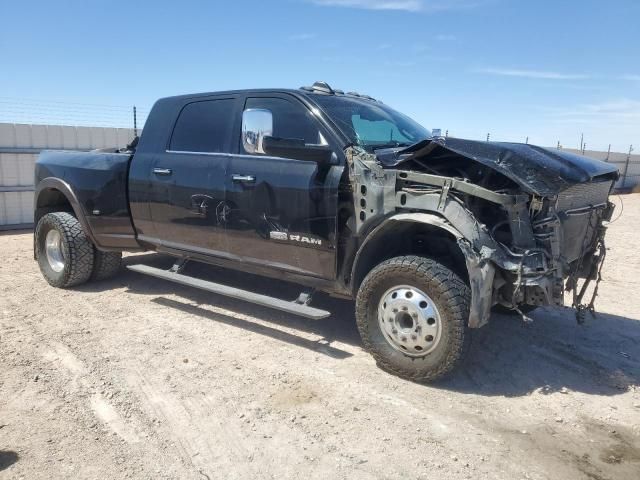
column 318, row 88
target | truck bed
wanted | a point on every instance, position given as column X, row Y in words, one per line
column 99, row 185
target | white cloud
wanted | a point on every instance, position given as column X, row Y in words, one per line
column 402, row 5
column 619, row 111
column 302, row 36
column 446, row 37
column 535, row 74
column 631, row 77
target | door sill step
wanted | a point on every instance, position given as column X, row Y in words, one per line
column 237, row 293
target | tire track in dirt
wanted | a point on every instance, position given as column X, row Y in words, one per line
column 202, row 431
column 59, row 354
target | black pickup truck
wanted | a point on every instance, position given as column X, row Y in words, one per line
column 339, row 193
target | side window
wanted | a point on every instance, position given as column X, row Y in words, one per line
column 203, row 127
column 290, row 120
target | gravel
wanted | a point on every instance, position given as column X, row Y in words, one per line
column 139, row 378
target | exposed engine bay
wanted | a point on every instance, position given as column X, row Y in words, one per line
column 529, row 221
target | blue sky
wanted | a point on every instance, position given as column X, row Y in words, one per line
column 545, row 69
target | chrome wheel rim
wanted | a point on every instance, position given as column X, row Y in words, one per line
column 53, row 249
column 410, row 320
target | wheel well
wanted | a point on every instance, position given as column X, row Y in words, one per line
column 51, row 200
column 410, row 238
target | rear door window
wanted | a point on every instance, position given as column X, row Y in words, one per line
column 204, row 126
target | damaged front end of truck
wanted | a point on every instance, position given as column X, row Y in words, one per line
column 530, row 222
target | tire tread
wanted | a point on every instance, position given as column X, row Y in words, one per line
column 454, row 291
column 106, row 265
column 78, row 248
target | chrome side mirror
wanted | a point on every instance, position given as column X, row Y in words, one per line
column 257, row 123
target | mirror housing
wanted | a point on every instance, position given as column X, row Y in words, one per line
column 296, row 149
column 257, row 123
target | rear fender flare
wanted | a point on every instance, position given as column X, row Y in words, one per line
column 52, row 183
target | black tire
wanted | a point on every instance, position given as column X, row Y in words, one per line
column 451, row 296
column 77, row 250
column 106, row 265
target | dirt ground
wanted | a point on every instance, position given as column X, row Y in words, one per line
column 139, row 378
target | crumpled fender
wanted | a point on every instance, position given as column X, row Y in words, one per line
column 481, row 271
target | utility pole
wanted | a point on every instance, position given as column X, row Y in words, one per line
column 488, row 136
column 527, row 141
column 581, row 140
column 608, row 153
column 558, row 147
column 446, row 134
column 135, row 122
column 626, row 166
column 584, row 145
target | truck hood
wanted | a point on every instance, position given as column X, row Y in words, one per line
column 537, row 170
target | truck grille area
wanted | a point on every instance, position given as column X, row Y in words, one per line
column 579, row 223
column 583, row 195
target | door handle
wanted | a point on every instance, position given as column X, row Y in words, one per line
column 243, row 178
column 162, row 171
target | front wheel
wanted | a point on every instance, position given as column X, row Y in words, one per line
column 65, row 254
column 412, row 314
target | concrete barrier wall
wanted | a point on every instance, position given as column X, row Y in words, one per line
column 627, row 181
column 19, row 148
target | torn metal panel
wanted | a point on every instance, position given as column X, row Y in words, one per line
column 481, row 276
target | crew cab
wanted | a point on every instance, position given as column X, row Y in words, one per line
column 342, row 194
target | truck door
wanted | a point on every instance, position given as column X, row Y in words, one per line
column 187, row 180
column 281, row 212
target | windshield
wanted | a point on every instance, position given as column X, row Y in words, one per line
column 369, row 124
